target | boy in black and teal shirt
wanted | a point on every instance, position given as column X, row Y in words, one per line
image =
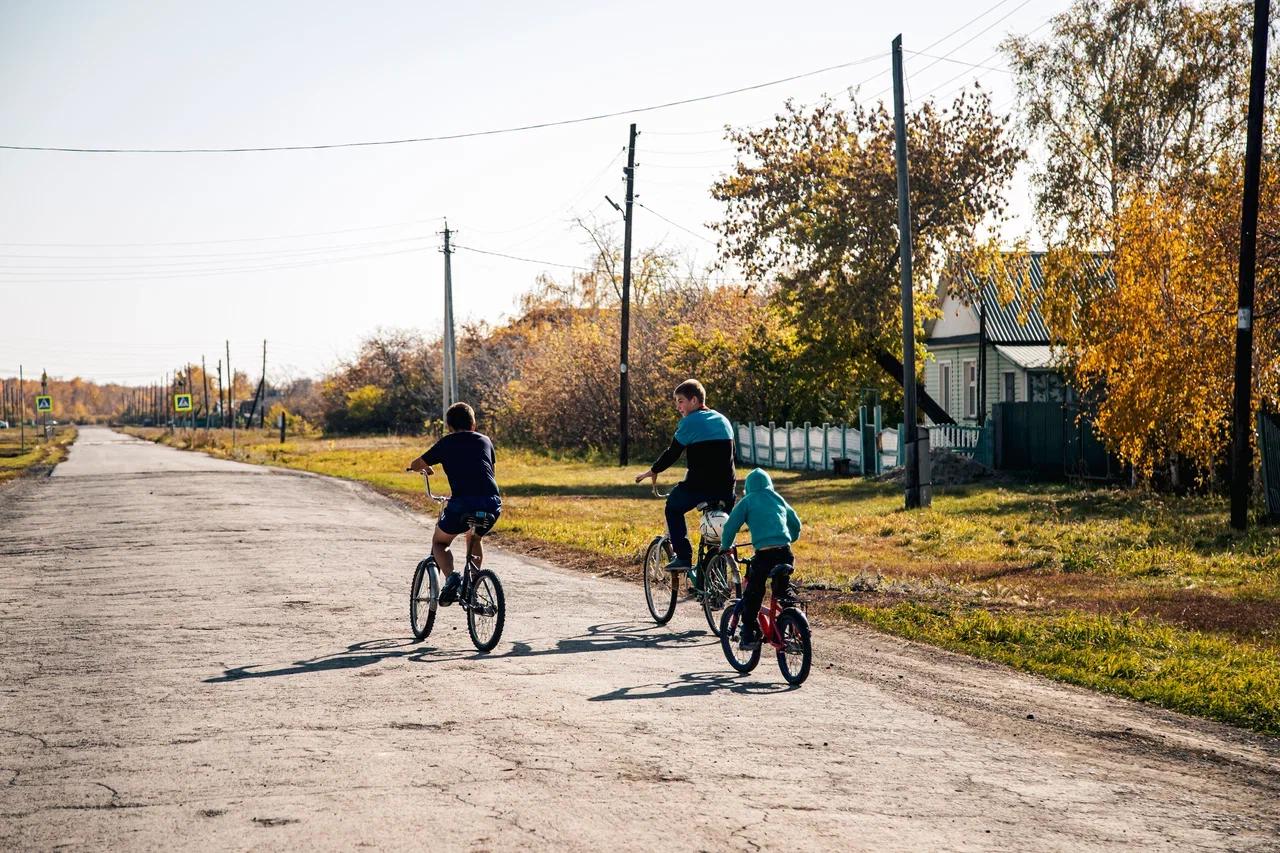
column 707, row 437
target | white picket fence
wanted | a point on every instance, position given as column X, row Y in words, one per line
column 954, row 437
column 808, row 447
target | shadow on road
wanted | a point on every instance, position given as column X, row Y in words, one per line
column 694, row 684
column 612, row 636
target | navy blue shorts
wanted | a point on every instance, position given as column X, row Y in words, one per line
column 453, row 519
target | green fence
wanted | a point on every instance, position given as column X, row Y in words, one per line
column 1269, row 445
column 1050, row 441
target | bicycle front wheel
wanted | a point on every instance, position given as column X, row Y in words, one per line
column 796, row 655
column 660, row 586
column 740, row 659
column 424, row 594
column 486, row 610
column 720, row 585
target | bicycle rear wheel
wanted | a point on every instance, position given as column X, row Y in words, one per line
column 796, row 655
column 486, row 610
column 740, row 659
column 660, row 586
column 720, row 585
column 424, row 594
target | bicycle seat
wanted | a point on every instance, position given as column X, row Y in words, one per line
column 478, row 519
column 782, row 571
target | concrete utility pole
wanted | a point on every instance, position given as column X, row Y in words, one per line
column 624, row 367
column 449, row 387
column 1241, row 448
column 916, row 496
column 22, row 412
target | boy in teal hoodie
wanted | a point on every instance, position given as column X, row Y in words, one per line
column 773, row 526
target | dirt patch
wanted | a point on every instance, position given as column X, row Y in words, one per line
column 947, row 469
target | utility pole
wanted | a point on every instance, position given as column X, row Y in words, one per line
column 204, row 378
column 449, row 388
column 915, row 497
column 22, row 412
column 231, row 395
column 222, row 409
column 1241, row 450
column 624, row 367
column 44, row 389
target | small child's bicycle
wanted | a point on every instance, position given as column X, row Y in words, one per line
column 480, row 594
column 786, row 628
column 714, row 577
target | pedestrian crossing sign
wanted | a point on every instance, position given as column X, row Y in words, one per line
column 44, row 403
column 182, row 402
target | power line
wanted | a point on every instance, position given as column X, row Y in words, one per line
column 204, row 273
column 676, row 224
column 518, row 258
column 960, row 61
column 449, row 136
column 162, row 259
column 431, row 220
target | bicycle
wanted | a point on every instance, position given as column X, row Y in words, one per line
column 714, row 578
column 785, row 628
column 480, row 593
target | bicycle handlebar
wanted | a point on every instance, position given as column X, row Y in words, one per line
column 426, row 480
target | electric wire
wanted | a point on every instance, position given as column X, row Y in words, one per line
column 449, row 136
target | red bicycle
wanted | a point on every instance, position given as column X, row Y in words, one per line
column 786, row 628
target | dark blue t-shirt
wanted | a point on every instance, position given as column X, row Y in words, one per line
column 468, row 461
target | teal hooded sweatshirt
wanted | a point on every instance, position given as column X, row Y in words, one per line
column 770, row 520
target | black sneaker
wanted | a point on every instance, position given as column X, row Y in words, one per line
column 449, row 593
column 749, row 640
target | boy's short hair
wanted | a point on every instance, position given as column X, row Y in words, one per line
column 691, row 389
column 460, row 417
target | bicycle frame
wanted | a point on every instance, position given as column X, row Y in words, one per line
column 469, row 566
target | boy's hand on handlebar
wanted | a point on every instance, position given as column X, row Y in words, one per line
column 419, row 465
column 648, row 474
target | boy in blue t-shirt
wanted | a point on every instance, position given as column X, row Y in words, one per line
column 708, row 437
column 468, row 460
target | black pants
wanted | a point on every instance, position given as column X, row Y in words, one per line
column 681, row 500
column 764, row 563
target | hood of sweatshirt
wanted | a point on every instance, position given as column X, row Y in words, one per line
column 758, row 481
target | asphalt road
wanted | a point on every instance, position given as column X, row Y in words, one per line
column 200, row 654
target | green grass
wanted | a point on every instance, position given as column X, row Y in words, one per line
column 38, row 455
column 1144, row 595
column 1187, row 671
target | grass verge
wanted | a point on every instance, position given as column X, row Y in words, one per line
column 39, row 456
column 1189, row 671
column 1147, row 596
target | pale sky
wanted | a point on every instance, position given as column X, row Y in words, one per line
column 118, row 267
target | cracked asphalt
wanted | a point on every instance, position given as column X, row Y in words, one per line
column 196, row 653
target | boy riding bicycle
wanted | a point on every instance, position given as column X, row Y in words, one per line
column 468, row 460
column 708, row 437
column 773, row 526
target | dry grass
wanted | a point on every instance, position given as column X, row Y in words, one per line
column 38, row 457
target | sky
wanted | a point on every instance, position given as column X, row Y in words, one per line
column 120, row 266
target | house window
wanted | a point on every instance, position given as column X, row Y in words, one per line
column 1009, row 387
column 1045, row 386
column 971, row 389
column 944, row 386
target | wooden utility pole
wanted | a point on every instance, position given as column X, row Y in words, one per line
column 231, row 395
column 449, row 387
column 916, row 496
column 1241, row 446
column 204, row 378
column 262, row 388
column 624, row 375
column 222, row 408
column 22, row 412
